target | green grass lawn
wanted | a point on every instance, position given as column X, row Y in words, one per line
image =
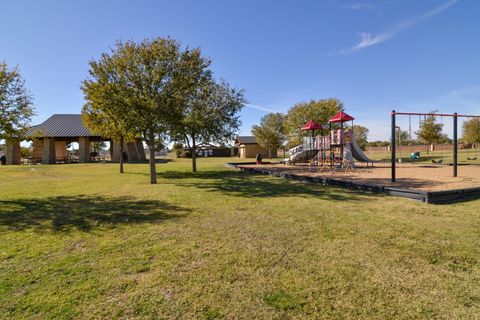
column 445, row 156
column 83, row 241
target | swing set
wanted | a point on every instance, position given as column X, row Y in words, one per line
column 454, row 116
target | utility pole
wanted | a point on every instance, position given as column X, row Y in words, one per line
column 393, row 147
column 455, row 144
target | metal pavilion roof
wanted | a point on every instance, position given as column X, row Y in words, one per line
column 61, row 125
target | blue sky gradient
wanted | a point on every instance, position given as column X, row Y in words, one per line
column 373, row 55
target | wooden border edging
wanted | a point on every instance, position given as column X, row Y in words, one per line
column 431, row 197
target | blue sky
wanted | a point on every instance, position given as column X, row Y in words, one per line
column 373, row 55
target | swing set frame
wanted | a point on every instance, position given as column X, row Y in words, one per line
column 455, row 117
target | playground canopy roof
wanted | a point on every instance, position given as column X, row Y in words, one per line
column 312, row 125
column 341, row 117
column 61, row 125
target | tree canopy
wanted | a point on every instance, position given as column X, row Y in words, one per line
column 143, row 87
column 430, row 131
column 471, row 131
column 209, row 115
column 360, row 134
column 319, row 110
column 270, row 133
column 16, row 103
column 102, row 115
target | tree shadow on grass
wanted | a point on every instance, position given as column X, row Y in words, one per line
column 161, row 161
column 245, row 185
column 83, row 212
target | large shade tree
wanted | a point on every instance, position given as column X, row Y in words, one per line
column 105, row 106
column 270, row 133
column 360, row 134
column 319, row 110
column 471, row 131
column 16, row 103
column 430, row 131
column 210, row 114
column 403, row 137
column 148, row 83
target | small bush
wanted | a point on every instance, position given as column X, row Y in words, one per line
column 178, row 147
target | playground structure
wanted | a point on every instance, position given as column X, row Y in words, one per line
column 417, row 179
column 335, row 150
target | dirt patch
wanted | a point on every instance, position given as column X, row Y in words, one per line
column 412, row 176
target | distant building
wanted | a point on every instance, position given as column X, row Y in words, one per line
column 249, row 148
column 212, row 151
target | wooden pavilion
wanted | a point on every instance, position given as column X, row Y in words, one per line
column 51, row 138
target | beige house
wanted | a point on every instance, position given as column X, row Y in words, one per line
column 249, row 148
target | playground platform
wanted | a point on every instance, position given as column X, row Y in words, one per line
column 427, row 183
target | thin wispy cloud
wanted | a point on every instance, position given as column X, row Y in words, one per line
column 260, row 108
column 363, row 6
column 368, row 39
column 358, row 6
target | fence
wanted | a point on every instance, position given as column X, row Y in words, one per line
column 421, row 148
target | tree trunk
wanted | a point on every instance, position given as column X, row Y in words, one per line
column 194, row 155
column 153, row 169
column 121, row 154
column 270, row 153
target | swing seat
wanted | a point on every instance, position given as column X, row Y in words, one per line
column 471, row 159
column 437, row 161
column 415, row 155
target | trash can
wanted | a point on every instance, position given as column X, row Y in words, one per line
column 258, row 157
column 3, row 160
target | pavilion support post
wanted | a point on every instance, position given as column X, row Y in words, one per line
column 455, row 144
column 131, row 149
column 141, row 151
column 393, row 178
column 48, row 154
column 84, row 150
column 12, row 152
column 116, row 151
column 37, row 151
column 111, row 149
column 61, row 150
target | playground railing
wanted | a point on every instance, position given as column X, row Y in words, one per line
column 316, row 143
column 295, row 150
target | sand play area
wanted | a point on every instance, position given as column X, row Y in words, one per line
column 411, row 176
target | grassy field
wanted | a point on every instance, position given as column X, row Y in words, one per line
column 82, row 241
column 445, row 156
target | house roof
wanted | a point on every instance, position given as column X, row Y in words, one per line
column 245, row 140
column 61, row 125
